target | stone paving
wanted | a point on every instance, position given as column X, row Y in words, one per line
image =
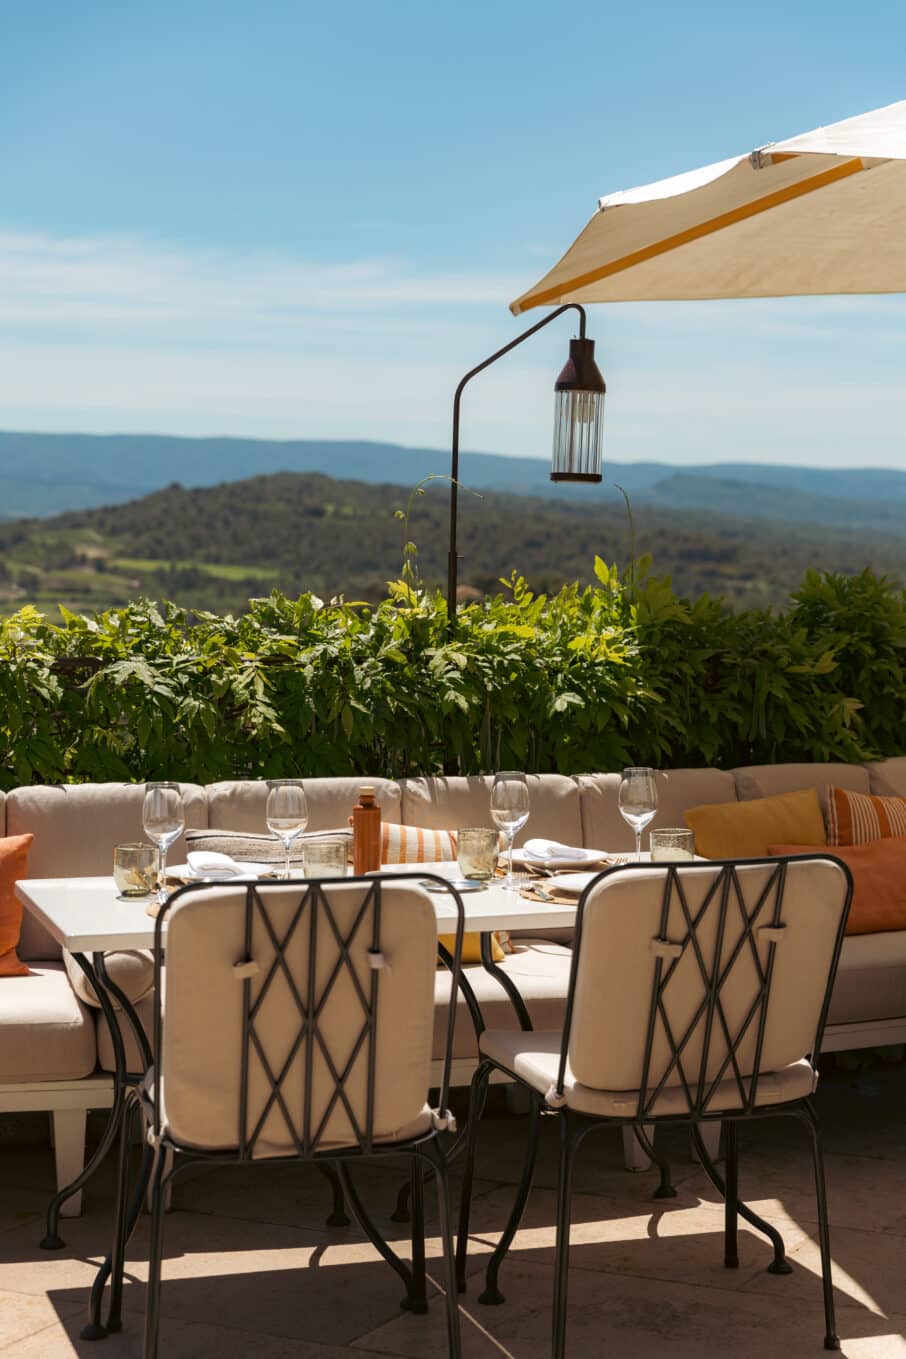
column 251, row 1269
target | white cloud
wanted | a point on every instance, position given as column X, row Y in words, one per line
column 126, row 335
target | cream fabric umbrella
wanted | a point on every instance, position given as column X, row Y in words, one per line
column 821, row 213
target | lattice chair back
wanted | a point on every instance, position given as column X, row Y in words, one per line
column 700, row 988
column 299, row 1017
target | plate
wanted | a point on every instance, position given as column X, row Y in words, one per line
column 572, row 883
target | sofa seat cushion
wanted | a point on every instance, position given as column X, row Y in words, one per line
column 871, row 979
column 144, row 1009
column 450, row 803
column 540, row 970
column 46, row 1033
column 132, row 970
column 535, row 1057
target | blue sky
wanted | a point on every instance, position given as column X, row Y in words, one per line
column 301, row 220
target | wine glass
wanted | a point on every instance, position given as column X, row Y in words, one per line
column 638, row 802
column 510, row 811
column 164, row 820
column 287, row 813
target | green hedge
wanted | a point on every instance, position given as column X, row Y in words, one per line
column 588, row 679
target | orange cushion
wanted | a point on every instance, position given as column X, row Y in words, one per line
column 879, row 882
column 743, row 830
column 859, row 818
column 13, row 863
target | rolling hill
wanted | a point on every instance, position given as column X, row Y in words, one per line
column 213, row 547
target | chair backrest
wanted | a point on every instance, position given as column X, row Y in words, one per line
column 299, row 1015
column 687, row 976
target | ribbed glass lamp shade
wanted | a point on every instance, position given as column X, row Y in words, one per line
column 578, row 451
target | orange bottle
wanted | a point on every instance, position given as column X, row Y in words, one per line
column 366, row 832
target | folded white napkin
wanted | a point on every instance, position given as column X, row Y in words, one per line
column 205, row 863
column 543, row 851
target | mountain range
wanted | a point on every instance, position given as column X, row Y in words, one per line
column 44, row 474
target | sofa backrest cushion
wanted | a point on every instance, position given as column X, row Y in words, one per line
column 441, row 803
column 888, row 777
column 241, row 804
column 76, row 827
column 769, row 780
column 677, row 789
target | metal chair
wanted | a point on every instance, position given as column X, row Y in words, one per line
column 299, row 1021
column 698, row 992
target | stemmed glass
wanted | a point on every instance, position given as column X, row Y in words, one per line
column 287, row 813
column 638, row 802
column 510, row 811
column 164, row 820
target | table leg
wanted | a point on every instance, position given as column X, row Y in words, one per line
column 52, row 1239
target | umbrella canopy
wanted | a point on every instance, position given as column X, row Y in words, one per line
column 821, row 213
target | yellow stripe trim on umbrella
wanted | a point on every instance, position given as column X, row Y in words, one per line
column 695, row 233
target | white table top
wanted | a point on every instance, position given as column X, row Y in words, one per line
column 86, row 915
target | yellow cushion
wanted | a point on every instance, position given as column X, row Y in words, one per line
column 471, row 947
column 745, row 830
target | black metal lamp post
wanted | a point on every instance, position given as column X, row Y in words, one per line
column 578, row 424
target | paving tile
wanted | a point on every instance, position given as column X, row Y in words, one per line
column 23, row 1314
column 868, row 1268
column 631, row 1317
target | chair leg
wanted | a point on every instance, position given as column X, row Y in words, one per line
column 417, row 1298
column 155, row 1253
column 568, row 1145
column 731, row 1248
column 780, row 1264
column 492, row 1296
column 454, row 1338
column 476, row 1103
column 830, row 1326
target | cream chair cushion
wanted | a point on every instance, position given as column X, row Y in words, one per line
column 76, row 827
column 240, row 804
column 202, row 1041
column 604, row 828
column 46, row 1033
column 535, row 1057
column 617, row 965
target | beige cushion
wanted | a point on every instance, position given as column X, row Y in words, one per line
column 134, row 1061
column 540, row 970
column 202, row 1041
column 450, row 803
column 767, row 780
column 76, row 827
column 887, row 778
column 536, row 1058
column 260, row 848
column 871, row 979
column 132, row 970
column 604, row 828
column 618, row 960
column 46, row 1033
column 240, row 804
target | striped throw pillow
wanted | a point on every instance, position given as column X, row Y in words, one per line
column 859, row 818
column 416, row 845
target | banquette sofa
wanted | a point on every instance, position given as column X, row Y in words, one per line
column 55, row 1048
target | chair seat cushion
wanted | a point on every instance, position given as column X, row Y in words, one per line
column 539, row 969
column 46, row 1033
column 535, row 1059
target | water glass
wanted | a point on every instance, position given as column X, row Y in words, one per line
column 638, row 802
column 672, row 845
column 325, row 858
column 164, row 820
column 510, row 811
column 286, row 813
column 135, row 869
column 477, row 850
